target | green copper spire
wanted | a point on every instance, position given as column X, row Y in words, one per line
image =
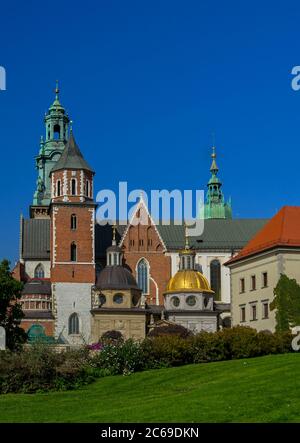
column 51, row 148
column 215, row 206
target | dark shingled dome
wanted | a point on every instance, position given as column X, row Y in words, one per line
column 116, row 277
column 113, row 248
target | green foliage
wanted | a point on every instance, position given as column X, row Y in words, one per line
column 10, row 309
column 263, row 389
column 40, row 368
column 170, row 329
column 287, row 303
column 123, row 357
column 165, row 351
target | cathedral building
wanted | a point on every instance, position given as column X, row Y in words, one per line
column 63, row 252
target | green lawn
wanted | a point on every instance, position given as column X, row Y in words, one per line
column 264, row 389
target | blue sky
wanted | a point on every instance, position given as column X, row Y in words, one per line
column 146, row 83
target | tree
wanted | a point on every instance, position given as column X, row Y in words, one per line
column 11, row 312
column 286, row 303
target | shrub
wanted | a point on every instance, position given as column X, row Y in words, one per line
column 208, row 346
column 170, row 329
column 165, row 351
column 119, row 358
column 40, row 368
column 112, row 337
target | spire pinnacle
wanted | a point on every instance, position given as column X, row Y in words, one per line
column 214, row 168
column 187, row 245
column 56, row 91
column 114, row 235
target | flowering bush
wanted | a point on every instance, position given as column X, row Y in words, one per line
column 40, row 368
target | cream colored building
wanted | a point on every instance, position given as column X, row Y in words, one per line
column 117, row 302
column 255, row 271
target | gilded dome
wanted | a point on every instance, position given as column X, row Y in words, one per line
column 188, row 280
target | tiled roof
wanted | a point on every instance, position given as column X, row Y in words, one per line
column 282, row 230
column 37, row 315
column 218, row 234
column 36, row 239
column 36, row 286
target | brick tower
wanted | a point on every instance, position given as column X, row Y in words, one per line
column 72, row 213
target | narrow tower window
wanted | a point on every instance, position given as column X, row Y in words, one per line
column 73, row 222
column 73, row 252
column 73, row 324
column 73, row 186
column 143, row 276
column 87, row 188
column 215, row 278
column 58, row 188
column 56, row 132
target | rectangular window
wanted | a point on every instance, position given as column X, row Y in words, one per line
column 242, row 285
column 253, row 309
column 58, row 188
column 149, row 241
column 141, row 242
column 73, row 222
column 73, row 186
column 243, row 314
column 253, row 282
column 131, row 242
column 265, row 308
column 264, row 279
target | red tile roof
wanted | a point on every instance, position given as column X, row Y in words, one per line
column 282, row 230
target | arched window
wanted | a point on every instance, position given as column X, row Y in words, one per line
column 39, row 271
column 73, row 222
column 215, row 278
column 73, row 252
column 73, row 324
column 73, row 186
column 58, row 188
column 56, row 132
column 143, row 276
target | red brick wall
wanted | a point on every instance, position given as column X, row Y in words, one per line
column 48, row 325
column 59, row 175
column 142, row 241
column 82, row 237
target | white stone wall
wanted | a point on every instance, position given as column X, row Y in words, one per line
column 30, row 266
column 196, row 323
column 72, row 298
column 203, row 259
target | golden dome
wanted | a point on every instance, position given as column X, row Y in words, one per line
column 188, row 281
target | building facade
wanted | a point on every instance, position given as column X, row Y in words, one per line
column 63, row 250
column 255, row 271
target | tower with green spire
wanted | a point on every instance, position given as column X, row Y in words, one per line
column 215, row 205
column 51, row 148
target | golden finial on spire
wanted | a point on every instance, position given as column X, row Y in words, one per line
column 213, row 155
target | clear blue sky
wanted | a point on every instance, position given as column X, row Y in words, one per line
column 146, row 83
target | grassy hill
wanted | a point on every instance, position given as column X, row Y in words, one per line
column 264, row 389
